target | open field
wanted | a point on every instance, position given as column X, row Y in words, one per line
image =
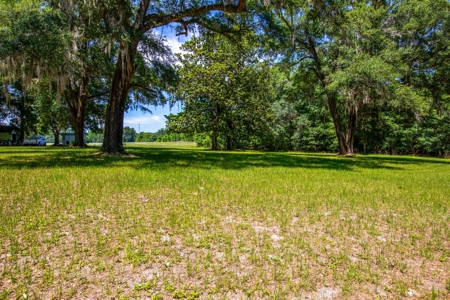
column 187, row 223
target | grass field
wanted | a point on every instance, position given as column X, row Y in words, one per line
column 179, row 222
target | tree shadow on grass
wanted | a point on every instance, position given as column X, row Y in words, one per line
column 164, row 158
column 239, row 160
column 385, row 159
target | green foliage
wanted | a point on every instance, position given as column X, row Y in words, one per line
column 400, row 132
column 53, row 115
column 93, row 137
column 129, row 134
column 21, row 110
column 202, row 139
column 224, row 89
column 298, row 123
column 31, row 26
column 145, row 137
column 162, row 136
column 364, row 56
column 174, row 137
column 34, row 41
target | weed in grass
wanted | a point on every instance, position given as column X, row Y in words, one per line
column 157, row 296
column 145, row 286
column 179, row 294
column 400, row 287
column 447, row 284
column 168, row 287
column 4, row 295
column 434, row 294
column 135, row 255
column 72, row 292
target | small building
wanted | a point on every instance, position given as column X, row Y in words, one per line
column 69, row 137
column 9, row 133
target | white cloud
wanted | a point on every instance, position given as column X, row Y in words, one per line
column 175, row 45
column 172, row 40
column 143, row 120
column 175, row 42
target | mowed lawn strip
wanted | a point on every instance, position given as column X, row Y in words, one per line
column 174, row 221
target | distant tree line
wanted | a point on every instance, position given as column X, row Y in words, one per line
column 130, row 135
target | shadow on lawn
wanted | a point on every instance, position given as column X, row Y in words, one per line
column 163, row 158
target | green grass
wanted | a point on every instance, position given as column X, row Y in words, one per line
column 173, row 221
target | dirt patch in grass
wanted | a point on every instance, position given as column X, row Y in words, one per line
column 235, row 259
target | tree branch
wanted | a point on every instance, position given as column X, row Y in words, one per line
column 69, row 102
column 143, row 88
column 93, row 97
column 143, row 6
column 225, row 33
column 437, row 119
column 157, row 20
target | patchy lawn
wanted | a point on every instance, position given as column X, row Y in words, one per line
column 174, row 222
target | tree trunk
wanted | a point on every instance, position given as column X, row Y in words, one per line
column 229, row 143
column 78, row 120
column 230, row 129
column 331, row 97
column 81, row 111
column 112, row 142
column 77, row 100
column 78, row 113
column 214, row 145
column 56, row 135
column 351, row 127
column 79, row 130
column 21, row 118
column 337, row 124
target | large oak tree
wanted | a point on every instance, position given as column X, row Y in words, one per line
column 59, row 46
column 347, row 51
column 131, row 24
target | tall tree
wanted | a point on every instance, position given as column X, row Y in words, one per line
column 134, row 23
column 423, row 30
column 224, row 89
column 41, row 43
column 344, row 50
column 53, row 115
column 299, row 123
column 21, row 111
column 89, row 64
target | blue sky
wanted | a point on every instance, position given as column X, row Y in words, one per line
column 146, row 122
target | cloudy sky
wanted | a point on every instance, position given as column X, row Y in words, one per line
column 146, row 122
